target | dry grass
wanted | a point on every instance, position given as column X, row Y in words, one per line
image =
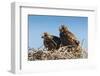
column 61, row 53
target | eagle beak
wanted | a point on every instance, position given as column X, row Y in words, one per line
column 42, row 37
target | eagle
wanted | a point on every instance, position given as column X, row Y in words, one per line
column 51, row 42
column 67, row 37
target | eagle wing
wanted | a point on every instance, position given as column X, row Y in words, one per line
column 71, row 35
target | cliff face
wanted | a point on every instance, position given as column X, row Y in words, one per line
column 62, row 53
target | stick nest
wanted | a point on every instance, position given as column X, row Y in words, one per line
column 62, row 53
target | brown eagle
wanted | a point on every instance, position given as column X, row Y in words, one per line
column 51, row 42
column 67, row 37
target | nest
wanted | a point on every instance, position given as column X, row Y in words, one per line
column 62, row 53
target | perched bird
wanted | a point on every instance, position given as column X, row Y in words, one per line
column 51, row 42
column 67, row 37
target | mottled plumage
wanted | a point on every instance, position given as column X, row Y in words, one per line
column 67, row 37
column 51, row 42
